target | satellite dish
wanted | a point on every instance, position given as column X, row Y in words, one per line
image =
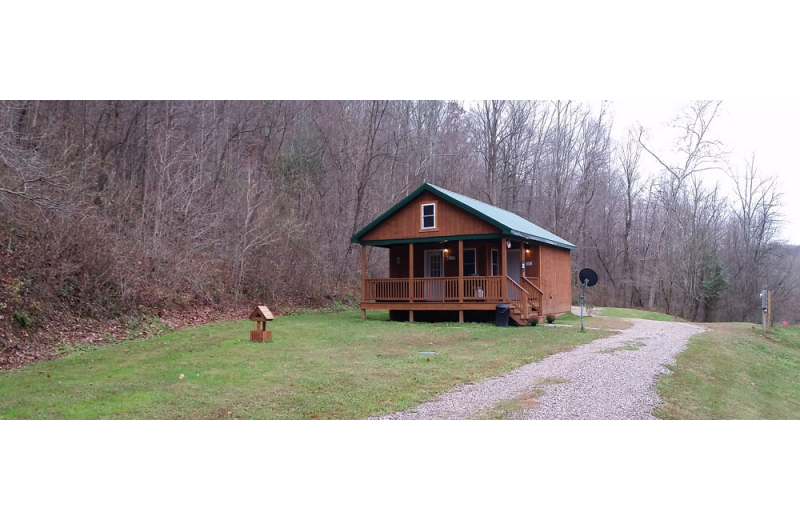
column 587, row 274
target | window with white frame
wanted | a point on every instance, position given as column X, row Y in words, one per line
column 470, row 267
column 429, row 216
column 495, row 262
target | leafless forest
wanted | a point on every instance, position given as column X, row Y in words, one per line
column 116, row 207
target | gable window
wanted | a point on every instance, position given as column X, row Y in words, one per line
column 495, row 262
column 429, row 216
column 470, row 269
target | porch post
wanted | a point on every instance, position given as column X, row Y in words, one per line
column 503, row 273
column 539, row 272
column 363, row 280
column 411, row 274
column 461, row 271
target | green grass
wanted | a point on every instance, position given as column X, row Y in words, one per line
column 515, row 407
column 627, row 345
column 616, row 312
column 597, row 322
column 734, row 371
column 325, row 365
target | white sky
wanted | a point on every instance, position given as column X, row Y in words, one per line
column 767, row 128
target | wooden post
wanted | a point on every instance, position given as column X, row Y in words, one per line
column 411, row 276
column 524, row 256
column 503, row 273
column 461, row 276
column 539, row 263
column 540, row 280
column 461, row 316
column 411, row 316
column 363, row 279
column 769, row 311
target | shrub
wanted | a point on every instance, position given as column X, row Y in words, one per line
column 534, row 321
column 23, row 319
column 550, row 318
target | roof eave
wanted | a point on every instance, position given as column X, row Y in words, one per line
column 565, row 244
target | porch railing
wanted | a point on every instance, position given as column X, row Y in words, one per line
column 536, row 294
column 386, row 289
column 444, row 289
column 518, row 297
column 478, row 288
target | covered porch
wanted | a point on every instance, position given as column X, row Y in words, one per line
column 457, row 275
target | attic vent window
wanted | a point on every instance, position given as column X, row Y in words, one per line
column 428, row 216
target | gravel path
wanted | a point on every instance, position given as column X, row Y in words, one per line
column 611, row 378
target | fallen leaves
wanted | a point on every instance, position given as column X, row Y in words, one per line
column 180, row 376
column 18, row 348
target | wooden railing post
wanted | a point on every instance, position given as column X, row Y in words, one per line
column 503, row 272
column 461, row 279
column 363, row 279
column 411, row 272
column 461, row 271
column 525, row 305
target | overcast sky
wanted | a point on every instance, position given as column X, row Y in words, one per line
column 766, row 128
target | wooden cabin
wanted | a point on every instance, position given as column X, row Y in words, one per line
column 448, row 252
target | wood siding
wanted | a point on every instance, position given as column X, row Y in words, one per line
column 450, row 221
column 555, row 280
column 532, row 271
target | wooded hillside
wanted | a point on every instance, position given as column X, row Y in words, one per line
column 109, row 208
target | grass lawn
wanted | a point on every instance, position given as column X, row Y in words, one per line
column 616, row 312
column 733, row 371
column 323, row 365
column 592, row 322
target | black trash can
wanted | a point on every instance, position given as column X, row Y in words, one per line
column 501, row 315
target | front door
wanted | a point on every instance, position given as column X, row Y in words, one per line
column 512, row 268
column 434, row 268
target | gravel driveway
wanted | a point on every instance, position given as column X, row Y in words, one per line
column 611, row 378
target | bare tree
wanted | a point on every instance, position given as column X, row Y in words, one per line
column 696, row 152
column 628, row 157
column 752, row 240
column 24, row 173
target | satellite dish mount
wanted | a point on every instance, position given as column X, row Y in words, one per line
column 588, row 278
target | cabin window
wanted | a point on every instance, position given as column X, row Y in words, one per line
column 470, row 269
column 428, row 216
column 495, row 262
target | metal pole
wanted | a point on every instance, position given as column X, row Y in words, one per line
column 585, row 282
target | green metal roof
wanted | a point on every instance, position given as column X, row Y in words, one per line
column 509, row 223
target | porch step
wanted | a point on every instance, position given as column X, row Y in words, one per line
column 516, row 315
